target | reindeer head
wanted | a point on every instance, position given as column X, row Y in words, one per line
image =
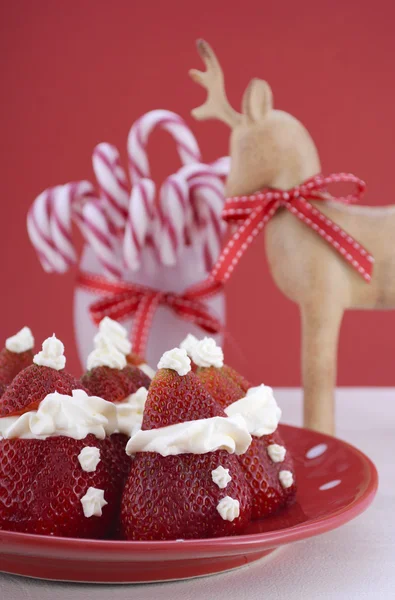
column 268, row 148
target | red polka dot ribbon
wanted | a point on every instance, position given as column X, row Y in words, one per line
column 122, row 300
column 253, row 212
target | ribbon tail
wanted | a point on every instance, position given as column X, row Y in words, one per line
column 117, row 307
column 205, row 289
column 197, row 313
column 143, row 320
column 348, row 248
column 240, row 241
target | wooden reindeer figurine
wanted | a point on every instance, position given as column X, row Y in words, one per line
column 271, row 149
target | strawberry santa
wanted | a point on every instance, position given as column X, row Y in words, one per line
column 185, row 480
column 56, row 475
column 111, row 377
column 267, row 464
column 15, row 356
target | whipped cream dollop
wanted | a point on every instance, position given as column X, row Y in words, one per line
column 194, row 437
column 177, row 360
column 221, row 476
column 89, row 458
column 73, row 416
column 228, row 508
column 116, row 334
column 21, row 341
column 77, row 416
column 260, row 410
column 105, row 354
column 286, row 478
column 189, row 343
column 93, row 502
column 130, row 412
column 206, row 353
column 51, row 355
column 276, row 452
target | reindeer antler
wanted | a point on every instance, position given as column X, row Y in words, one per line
column 217, row 105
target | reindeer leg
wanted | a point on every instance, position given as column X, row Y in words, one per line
column 320, row 333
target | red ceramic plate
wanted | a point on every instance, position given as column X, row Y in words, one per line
column 336, row 482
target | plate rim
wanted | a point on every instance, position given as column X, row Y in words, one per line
column 232, row 544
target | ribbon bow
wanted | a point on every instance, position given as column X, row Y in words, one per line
column 122, row 300
column 256, row 210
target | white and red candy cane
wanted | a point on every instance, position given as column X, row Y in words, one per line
column 191, row 203
column 169, row 233
column 112, row 182
column 140, row 222
column 50, row 221
column 96, row 231
column 186, row 143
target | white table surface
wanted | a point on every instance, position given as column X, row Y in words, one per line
column 356, row 561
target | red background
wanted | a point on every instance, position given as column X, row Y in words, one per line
column 77, row 73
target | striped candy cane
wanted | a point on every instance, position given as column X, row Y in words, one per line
column 202, row 202
column 186, row 143
column 49, row 223
column 112, row 182
column 96, row 231
column 174, row 215
column 50, row 220
column 140, row 222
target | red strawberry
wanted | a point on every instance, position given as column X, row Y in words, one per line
column 175, row 496
column 16, row 356
column 114, row 385
column 43, row 486
column 223, row 389
column 262, row 473
column 31, row 385
column 11, row 363
column 236, row 377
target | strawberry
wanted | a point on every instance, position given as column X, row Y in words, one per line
column 262, row 473
column 236, row 378
column 17, row 354
column 170, row 497
column 44, row 487
column 263, row 476
column 114, row 384
column 31, row 385
column 42, row 484
column 11, row 363
column 223, row 389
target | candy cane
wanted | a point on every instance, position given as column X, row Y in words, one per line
column 112, row 182
column 49, row 224
column 67, row 204
column 95, row 229
column 205, row 194
column 39, row 230
column 140, row 221
column 174, row 215
column 186, row 143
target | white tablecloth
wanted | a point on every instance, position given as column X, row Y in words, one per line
column 356, row 561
